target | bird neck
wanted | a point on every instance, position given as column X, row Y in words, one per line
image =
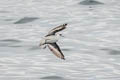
column 57, row 35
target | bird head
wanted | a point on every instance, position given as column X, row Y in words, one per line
column 61, row 35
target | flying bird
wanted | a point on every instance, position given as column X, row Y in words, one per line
column 51, row 40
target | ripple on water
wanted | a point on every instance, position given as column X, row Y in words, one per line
column 14, row 46
column 10, row 40
column 67, row 48
column 4, row 11
column 9, row 43
column 9, row 19
column 54, row 78
column 34, row 48
column 26, row 20
column 112, row 51
column 90, row 2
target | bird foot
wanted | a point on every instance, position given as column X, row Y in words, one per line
column 43, row 46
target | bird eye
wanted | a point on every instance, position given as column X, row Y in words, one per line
column 60, row 34
column 65, row 24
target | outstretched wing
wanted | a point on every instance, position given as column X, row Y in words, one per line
column 57, row 29
column 56, row 50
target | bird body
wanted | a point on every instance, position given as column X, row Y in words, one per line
column 50, row 40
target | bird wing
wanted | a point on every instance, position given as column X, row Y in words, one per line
column 57, row 29
column 56, row 50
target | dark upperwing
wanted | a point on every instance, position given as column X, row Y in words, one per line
column 56, row 50
column 57, row 29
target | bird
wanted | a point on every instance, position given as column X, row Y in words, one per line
column 50, row 40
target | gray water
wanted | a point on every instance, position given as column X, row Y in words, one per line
column 91, row 44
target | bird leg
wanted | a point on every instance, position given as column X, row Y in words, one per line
column 43, row 46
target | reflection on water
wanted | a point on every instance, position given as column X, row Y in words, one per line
column 25, row 20
column 90, row 2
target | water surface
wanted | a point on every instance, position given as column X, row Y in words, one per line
column 91, row 43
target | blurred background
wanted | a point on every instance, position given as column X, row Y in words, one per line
column 91, row 45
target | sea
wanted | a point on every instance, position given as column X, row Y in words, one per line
column 91, row 42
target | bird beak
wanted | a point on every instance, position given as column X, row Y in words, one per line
column 62, row 35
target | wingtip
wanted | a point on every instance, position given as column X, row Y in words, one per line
column 63, row 58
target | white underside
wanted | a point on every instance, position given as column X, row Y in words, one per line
column 49, row 39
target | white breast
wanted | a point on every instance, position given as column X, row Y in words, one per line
column 51, row 39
